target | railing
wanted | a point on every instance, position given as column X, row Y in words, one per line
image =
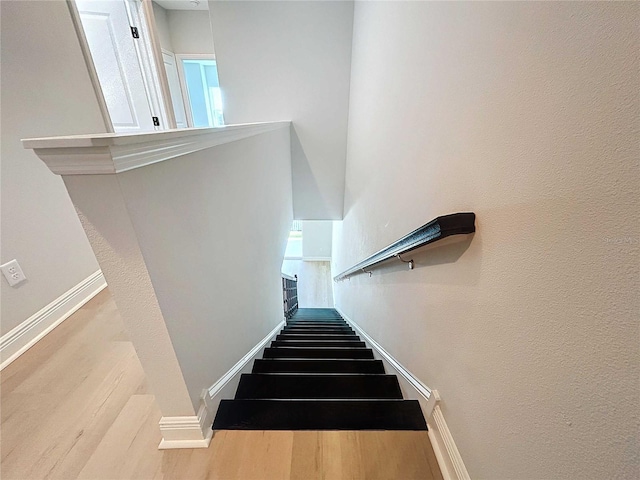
column 290, row 294
column 437, row 229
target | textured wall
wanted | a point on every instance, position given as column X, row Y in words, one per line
column 46, row 91
column 104, row 215
column 212, row 228
column 314, row 282
column 527, row 114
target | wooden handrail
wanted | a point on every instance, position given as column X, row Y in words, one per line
column 437, row 229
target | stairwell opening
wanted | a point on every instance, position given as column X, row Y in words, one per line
column 308, row 256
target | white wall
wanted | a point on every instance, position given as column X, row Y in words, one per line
column 291, row 61
column 527, row 114
column 105, row 217
column 162, row 26
column 212, row 228
column 46, row 90
column 190, row 31
column 314, row 282
column 184, row 31
column 316, row 239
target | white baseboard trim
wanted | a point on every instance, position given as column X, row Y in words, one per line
column 20, row 339
column 186, row 432
column 444, row 447
column 217, row 387
column 316, row 259
column 195, row 431
column 226, row 386
column 417, row 389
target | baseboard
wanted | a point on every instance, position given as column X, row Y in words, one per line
column 20, row 339
column 195, row 431
column 316, row 259
column 444, row 447
column 185, row 432
column 413, row 388
column 226, row 386
column 215, row 389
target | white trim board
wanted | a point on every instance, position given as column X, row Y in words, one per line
column 447, row 453
column 20, row 339
column 110, row 153
column 185, row 432
column 444, row 447
column 91, row 68
column 215, row 389
column 316, row 259
column 413, row 387
column 195, row 431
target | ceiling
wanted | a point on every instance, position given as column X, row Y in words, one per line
column 182, row 4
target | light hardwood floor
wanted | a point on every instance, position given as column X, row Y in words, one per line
column 76, row 405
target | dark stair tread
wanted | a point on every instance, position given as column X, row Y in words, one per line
column 317, row 352
column 353, row 386
column 316, row 318
column 315, row 332
column 319, row 415
column 317, row 325
column 309, row 330
column 338, row 321
column 311, row 318
column 318, row 343
column 321, row 322
column 319, row 336
column 272, row 365
column 316, row 312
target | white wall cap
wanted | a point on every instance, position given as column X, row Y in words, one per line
column 109, row 153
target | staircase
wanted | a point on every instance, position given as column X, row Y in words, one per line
column 318, row 375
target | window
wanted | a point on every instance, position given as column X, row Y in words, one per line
column 294, row 244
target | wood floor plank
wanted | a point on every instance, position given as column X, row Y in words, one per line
column 265, row 455
column 71, row 428
column 341, row 455
column 306, row 456
column 394, row 455
column 127, row 449
column 77, row 405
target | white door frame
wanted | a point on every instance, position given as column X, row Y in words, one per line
column 162, row 82
column 180, row 91
column 93, row 74
column 155, row 79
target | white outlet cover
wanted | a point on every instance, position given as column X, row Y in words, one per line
column 13, row 273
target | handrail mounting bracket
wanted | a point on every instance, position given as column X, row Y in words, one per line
column 410, row 262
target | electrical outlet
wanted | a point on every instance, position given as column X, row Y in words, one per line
column 13, row 273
